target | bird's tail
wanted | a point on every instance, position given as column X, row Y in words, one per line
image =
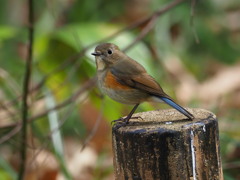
column 177, row 107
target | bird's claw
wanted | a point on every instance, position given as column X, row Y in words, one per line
column 125, row 120
column 121, row 120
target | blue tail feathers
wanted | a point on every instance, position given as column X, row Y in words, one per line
column 177, row 107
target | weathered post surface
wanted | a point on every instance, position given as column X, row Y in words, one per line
column 161, row 145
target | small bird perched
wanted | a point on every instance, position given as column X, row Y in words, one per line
column 126, row 81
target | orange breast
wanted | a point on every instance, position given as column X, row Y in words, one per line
column 111, row 82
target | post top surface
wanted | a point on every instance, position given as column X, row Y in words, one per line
column 168, row 119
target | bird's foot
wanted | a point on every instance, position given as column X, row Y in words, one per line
column 125, row 120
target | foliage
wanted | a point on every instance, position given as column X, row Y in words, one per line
column 66, row 32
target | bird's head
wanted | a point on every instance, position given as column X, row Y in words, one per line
column 106, row 54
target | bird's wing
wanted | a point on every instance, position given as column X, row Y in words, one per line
column 128, row 66
column 128, row 74
column 134, row 75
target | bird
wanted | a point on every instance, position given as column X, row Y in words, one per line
column 126, row 81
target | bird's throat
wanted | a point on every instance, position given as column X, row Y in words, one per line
column 100, row 64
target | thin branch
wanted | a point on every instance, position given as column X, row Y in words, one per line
column 26, row 82
column 6, row 109
column 151, row 20
column 71, row 60
column 192, row 13
column 142, row 21
column 10, row 134
column 89, row 84
column 142, row 34
column 193, row 4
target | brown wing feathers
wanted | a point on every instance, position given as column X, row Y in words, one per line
column 142, row 82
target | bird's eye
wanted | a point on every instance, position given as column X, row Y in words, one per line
column 109, row 51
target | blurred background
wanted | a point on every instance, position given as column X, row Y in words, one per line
column 193, row 51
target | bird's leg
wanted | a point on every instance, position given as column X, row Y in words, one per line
column 126, row 120
column 129, row 116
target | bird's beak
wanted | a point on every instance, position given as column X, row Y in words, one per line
column 96, row 53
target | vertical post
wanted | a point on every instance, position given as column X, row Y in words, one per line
column 160, row 145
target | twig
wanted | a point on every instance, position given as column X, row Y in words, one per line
column 69, row 61
column 85, row 87
column 9, row 113
column 27, row 76
column 10, row 134
column 192, row 13
column 142, row 34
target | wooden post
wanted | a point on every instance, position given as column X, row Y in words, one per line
column 162, row 146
